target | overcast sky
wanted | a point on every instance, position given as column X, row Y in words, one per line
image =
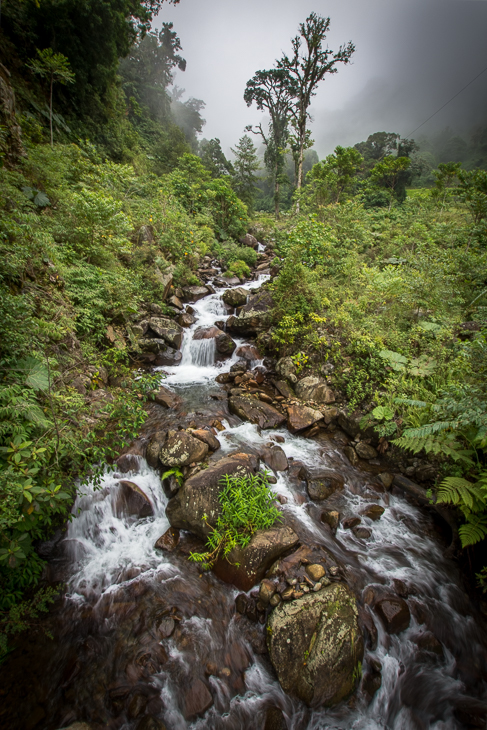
column 411, row 57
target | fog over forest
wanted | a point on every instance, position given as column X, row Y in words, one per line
column 411, row 57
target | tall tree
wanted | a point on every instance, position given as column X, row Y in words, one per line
column 55, row 68
column 245, row 165
column 273, row 91
column 213, row 158
column 307, row 66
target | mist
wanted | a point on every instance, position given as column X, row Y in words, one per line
column 411, row 57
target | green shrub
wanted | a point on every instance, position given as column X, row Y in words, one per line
column 238, row 268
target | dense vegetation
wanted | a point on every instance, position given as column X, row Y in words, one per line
column 105, row 190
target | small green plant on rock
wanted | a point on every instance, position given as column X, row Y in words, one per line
column 247, row 505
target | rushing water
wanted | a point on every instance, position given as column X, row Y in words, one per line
column 112, row 665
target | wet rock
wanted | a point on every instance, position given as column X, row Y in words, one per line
column 315, row 389
column 275, row 458
column 207, row 438
column 224, row 344
column 301, row 417
column 255, row 411
column 154, row 447
column 207, row 333
column 471, row 712
column 315, row 645
column 169, row 357
column 182, row 449
column 315, row 571
column 365, row 451
column 400, row 587
column 428, row 642
column 186, row 320
column 373, row 512
column 274, row 719
column 266, row 590
column 368, row 627
column 254, row 316
column 249, row 240
column 331, row 517
column 363, row 533
column 241, row 603
column 131, row 500
column 322, row 483
column 151, row 723
column 386, row 479
column 166, row 627
column 128, row 462
column 138, row 703
column 169, row 541
column 199, row 494
column 284, row 389
column 286, row 369
column 194, row 293
column 225, row 378
column 350, row 522
column 248, row 352
column 235, row 297
column 394, row 614
column 372, row 681
column 255, row 559
column 351, row 455
column 166, row 398
column 168, row 330
column 196, row 699
column 239, row 367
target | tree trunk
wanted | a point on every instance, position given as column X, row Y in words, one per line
column 50, row 109
column 276, row 190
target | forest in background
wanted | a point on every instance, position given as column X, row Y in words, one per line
column 107, row 194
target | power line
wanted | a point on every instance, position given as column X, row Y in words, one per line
column 446, row 103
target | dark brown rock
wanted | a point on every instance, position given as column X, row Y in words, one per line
column 248, row 352
column 207, row 333
column 166, row 398
column 169, row 541
column 365, row 451
column 394, row 614
column 196, row 698
column 350, row 522
column 322, row 483
column 186, row 320
column 194, row 293
column 225, row 378
column 331, row 517
column 131, row 500
column 373, row 512
column 274, row 719
column 207, row 438
column 363, row 533
column 224, row 344
column 284, row 388
column 150, row 723
column 255, row 411
column 275, row 458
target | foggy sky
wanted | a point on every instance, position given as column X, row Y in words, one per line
column 411, row 57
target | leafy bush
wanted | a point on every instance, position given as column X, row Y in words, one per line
column 247, row 505
column 238, row 268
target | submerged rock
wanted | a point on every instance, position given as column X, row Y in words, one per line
column 315, row 645
column 256, row 411
column 199, row 494
column 182, row 449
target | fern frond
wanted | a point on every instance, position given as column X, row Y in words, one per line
column 428, row 429
column 410, row 402
column 474, row 530
column 455, row 490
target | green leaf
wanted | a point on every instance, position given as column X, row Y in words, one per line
column 36, row 373
column 394, row 359
column 383, row 413
column 41, row 200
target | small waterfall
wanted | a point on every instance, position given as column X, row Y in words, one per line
column 201, row 353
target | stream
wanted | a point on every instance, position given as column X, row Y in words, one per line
column 140, row 632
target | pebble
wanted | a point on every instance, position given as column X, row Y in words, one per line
column 317, row 586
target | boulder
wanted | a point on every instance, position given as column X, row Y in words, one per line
column 207, row 333
column 331, row 517
column 166, row 398
column 255, row 411
column 169, row 357
column 275, row 458
column 194, row 293
column 235, row 297
column 284, row 389
column 394, row 614
column 154, row 447
column 315, row 645
column 164, row 279
column 365, row 451
column 169, row 541
column 186, row 320
column 244, row 567
column 199, row 494
column 175, row 301
column 249, row 240
column 182, row 449
column 373, row 512
column 196, row 699
column 315, row 389
column 131, row 500
column 254, row 316
column 169, row 331
column 286, row 369
column 207, row 438
column 322, row 482
column 351, row 426
column 224, row 344
column 301, row 417
column 248, row 352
